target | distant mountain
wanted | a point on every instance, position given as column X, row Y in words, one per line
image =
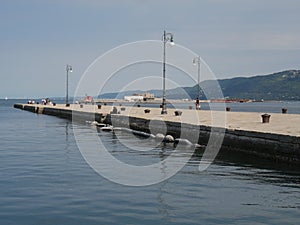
column 277, row 86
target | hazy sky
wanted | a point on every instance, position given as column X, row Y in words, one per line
column 235, row 37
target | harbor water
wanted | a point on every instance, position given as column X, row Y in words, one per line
column 45, row 180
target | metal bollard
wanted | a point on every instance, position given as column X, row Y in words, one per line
column 178, row 113
column 284, row 110
column 265, row 118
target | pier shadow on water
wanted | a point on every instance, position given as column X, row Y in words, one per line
column 252, row 167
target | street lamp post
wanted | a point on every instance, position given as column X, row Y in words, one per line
column 166, row 37
column 197, row 61
column 68, row 69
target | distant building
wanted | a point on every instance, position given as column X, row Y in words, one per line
column 88, row 98
column 133, row 98
column 139, row 97
column 148, row 96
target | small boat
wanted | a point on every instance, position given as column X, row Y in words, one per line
column 6, row 98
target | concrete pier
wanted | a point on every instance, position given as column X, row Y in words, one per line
column 278, row 140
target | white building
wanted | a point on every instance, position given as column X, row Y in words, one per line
column 134, row 98
column 139, row 97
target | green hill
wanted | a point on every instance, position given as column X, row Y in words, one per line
column 278, row 86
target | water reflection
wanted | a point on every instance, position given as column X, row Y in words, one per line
column 248, row 167
column 163, row 205
column 236, row 165
column 242, row 180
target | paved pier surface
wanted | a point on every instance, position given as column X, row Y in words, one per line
column 285, row 124
column 279, row 139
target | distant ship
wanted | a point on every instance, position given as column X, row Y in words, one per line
column 6, row 98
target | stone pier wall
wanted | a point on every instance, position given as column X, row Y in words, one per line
column 266, row 145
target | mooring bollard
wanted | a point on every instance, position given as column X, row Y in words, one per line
column 178, row 113
column 284, row 110
column 123, row 108
column 81, row 106
column 228, row 109
column 99, row 106
column 265, row 118
column 114, row 111
column 147, row 110
column 68, row 105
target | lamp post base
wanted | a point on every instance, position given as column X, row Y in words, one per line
column 164, row 111
column 164, row 106
column 197, row 104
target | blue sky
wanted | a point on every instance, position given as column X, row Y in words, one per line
column 235, row 37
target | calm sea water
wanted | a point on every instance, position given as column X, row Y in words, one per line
column 45, row 180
